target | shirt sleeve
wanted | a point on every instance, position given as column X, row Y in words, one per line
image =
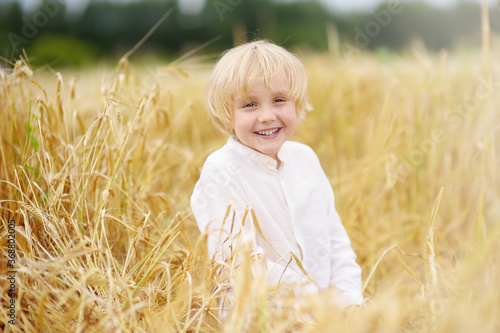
column 345, row 274
column 219, row 203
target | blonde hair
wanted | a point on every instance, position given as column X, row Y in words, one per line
column 240, row 68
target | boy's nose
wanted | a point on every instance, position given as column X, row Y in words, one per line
column 266, row 114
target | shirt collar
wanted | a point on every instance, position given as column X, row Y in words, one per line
column 260, row 158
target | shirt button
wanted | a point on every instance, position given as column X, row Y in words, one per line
column 270, row 163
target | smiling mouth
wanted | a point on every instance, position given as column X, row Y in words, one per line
column 268, row 132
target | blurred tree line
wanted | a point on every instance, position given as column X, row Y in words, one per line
column 51, row 34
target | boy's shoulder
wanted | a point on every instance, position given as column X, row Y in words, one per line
column 300, row 155
column 299, row 149
column 222, row 157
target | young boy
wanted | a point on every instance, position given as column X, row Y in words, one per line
column 256, row 93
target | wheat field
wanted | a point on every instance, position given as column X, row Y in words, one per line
column 97, row 167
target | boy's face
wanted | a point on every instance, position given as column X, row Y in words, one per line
column 266, row 119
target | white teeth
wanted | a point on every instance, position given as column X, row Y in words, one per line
column 270, row 132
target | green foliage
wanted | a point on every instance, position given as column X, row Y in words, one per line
column 111, row 28
column 62, row 50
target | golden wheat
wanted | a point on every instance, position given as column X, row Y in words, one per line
column 97, row 178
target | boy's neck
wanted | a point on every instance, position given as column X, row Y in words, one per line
column 275, row 157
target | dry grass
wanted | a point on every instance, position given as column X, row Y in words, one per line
column 97, row 169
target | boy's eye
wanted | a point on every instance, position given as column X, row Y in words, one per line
column 279, row 100
column 249, row 105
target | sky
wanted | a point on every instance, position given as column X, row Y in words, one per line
column 335, row 5
column 349, row 5
column 194, row 6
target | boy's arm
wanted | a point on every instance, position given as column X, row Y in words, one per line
column 218, row 205
column 345, row 273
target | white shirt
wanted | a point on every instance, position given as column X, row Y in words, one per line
column 295, row 209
